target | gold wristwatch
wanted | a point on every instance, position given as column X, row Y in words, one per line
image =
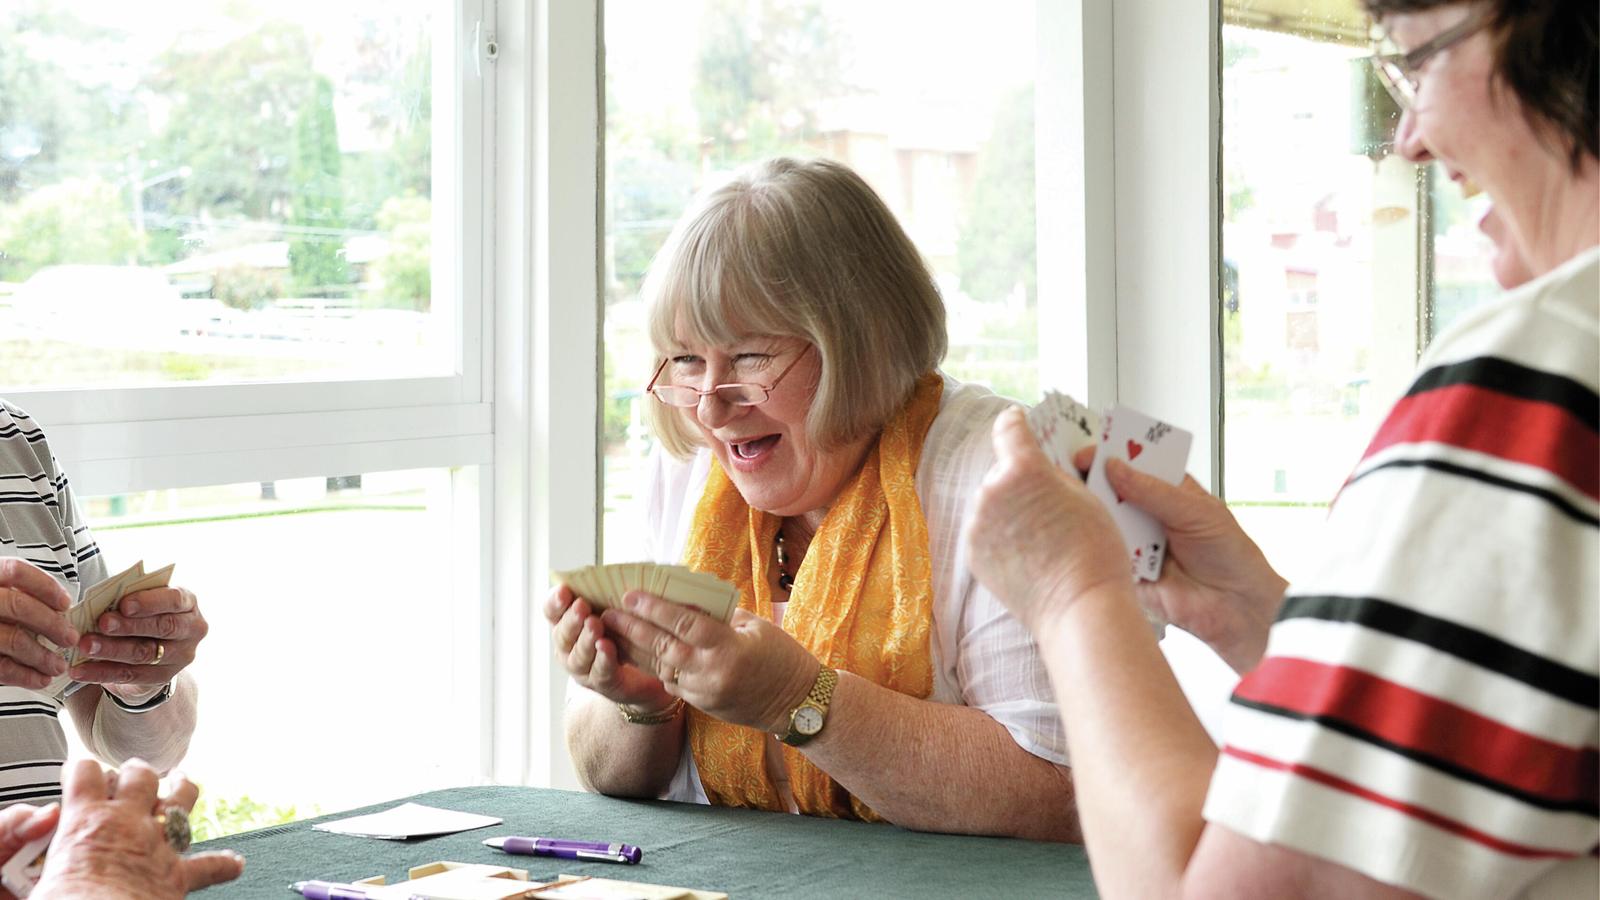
column 807, row 719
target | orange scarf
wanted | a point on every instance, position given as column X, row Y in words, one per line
column 862, row 602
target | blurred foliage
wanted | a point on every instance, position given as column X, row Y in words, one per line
column 214, row 817
column 316, row 259
column 80, row 220
column 995, row 251
column 406, row 271
column 761, row 66
column 246, row 287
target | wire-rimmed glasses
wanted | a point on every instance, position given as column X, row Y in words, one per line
column 738, row 393
column 1399, row 71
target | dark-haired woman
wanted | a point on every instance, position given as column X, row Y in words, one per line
column 1419, row 714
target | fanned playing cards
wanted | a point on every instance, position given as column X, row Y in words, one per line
column 97, row 600
column 603, row 586
column 1064, row 426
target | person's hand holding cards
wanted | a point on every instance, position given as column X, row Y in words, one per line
column 1065, row 429
column 591, row 657
column 33, row 625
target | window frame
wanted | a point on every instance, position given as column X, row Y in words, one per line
column 121, row 439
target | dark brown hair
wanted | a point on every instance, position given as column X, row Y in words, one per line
column 1548, row 53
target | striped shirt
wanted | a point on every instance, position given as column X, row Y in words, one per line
column 39, row 522
column 1426, row 713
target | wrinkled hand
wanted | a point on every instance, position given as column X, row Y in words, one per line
column 109, row 843
column 144, row 643
column 592, row 658
column 1215, row 583
column 1038, row 538
column 21, row 824
column 31, row 604
column 748, row 671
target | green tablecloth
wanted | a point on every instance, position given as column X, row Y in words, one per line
column 743, row 852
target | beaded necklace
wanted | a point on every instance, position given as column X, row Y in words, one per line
column 785, row 580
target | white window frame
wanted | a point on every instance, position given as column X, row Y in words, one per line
column 114, row 439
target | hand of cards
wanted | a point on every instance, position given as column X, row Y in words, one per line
column 603, row 586
column 101, row 598
column 1064, row 426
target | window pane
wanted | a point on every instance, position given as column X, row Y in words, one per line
column 940, row 125
column 238, row 193
column 1340, row 260
column 335, row 611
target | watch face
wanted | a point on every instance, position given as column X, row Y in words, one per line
column 808, row 720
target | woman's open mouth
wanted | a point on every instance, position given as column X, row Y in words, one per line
column 749, row 454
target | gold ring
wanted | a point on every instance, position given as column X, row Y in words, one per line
column 161, row 653
column 174, row 822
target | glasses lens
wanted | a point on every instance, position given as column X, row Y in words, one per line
column 742, row 394
column 1396, row 81
column 676, row 395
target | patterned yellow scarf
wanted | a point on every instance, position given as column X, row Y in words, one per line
column 862, row 602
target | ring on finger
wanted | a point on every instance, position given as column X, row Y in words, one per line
column 174, row 822
column 161, row 653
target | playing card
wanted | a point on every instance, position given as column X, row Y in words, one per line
column 1152, row 447
column 103, row 596
column 604, row 586
column 20, row 874
column 1063, row 426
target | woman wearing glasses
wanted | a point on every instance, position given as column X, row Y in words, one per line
column 1422, row 717
column 816, row 459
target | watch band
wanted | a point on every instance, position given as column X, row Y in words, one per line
column 160, row 697
column 818, row 699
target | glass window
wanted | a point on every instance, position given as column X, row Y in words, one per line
column 1340, row 261
column 935, row 111
column 240, row 192
column 323, row 643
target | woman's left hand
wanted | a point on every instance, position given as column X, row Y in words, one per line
column 748, row 671
column 145, row 643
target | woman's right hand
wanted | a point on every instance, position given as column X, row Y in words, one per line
column 591, row 658
column 31, row 604
column 1215, row 584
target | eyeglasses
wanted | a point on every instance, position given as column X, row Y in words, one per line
column 741, row 393
column 1399, row 72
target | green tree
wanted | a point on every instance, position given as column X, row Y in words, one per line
column 56, row 120
column 996, row 249
column 762, row 67
column 232, row 117
column 406, row 271
column 79, row 220
column 316, row 259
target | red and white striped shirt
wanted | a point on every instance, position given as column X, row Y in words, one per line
column 1428, row 710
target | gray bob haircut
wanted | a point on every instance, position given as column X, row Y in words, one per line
column 803, row 249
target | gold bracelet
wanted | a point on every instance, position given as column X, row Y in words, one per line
column 634, row 717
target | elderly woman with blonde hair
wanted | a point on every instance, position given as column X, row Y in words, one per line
column 814, row 457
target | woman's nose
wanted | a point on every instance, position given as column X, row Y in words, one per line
column 1408, row 139
column 713, row 411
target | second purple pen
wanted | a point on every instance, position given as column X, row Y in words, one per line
column 593, row 851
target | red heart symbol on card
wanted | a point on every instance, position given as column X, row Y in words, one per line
column 1134, row 449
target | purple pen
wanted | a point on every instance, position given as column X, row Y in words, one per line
column 593, row 851
column 328, row 890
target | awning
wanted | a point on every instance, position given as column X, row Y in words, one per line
column 1343, row 21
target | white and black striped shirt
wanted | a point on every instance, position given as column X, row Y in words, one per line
column 39, row 522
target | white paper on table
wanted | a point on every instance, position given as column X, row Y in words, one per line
column 408, row 820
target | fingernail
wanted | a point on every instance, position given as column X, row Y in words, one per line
column 95, row 646
column 130, row 607
column 112, row 626
column 632, row 600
